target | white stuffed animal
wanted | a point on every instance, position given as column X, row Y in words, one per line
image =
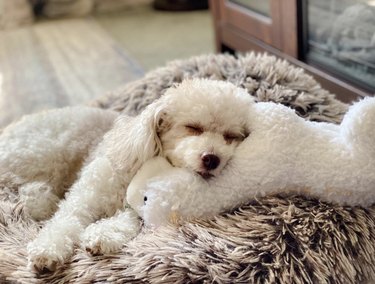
column 283, row 153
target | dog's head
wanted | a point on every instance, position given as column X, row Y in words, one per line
column 201, row 123
column 196, row 125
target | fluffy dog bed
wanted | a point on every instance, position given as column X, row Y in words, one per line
column 270, row 240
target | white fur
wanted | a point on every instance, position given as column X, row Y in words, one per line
column 108, row 235
column 283, row 153
column 42, row 154
column 77, row 152
column 169, row 190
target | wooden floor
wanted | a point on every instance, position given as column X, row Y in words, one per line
column 58, row 63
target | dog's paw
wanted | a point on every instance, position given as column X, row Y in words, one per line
column 109, row 235
column 96, row 240
column 42, row 263
column 41, row 259
column 101, row 247
column 44, row 256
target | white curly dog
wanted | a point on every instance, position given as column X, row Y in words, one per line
column 89, row 156
column 284, row 153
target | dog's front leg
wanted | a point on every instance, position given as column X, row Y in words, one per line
column 96, row 194
column 109, row 235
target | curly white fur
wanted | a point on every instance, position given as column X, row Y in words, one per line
column 77, row 152
column 283, row 153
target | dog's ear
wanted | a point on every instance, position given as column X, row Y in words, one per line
column 134, row 140
column 156, row 117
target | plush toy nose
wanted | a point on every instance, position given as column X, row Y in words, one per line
column 210, row 161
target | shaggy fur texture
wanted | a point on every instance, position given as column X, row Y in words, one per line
column 272, row 240
column 265, row 77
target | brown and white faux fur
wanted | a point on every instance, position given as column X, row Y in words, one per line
column 271, row 240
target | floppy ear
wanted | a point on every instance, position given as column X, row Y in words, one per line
column 134, row 140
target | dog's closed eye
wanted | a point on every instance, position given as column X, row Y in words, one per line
column 194, row 129
column 230, row 137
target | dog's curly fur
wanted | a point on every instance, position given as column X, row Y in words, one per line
column 61, row 150
column 285, row 240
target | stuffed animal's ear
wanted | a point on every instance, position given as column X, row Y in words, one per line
column 134, row 140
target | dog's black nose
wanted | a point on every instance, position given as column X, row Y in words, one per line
column 210, row 161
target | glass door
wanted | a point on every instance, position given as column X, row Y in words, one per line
column 340, row 38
